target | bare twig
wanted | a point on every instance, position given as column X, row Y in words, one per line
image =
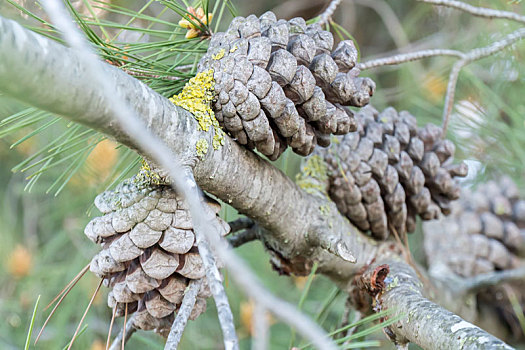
column 190, row 296
column 464, row 59
column 260, row 328
column 477, row 11
column 215, row 281
column 240, row 224
column 350, row 331
column 344, row 319
column 408, row 57
column 328, row 12
column 124, row 335
column 243, row 237
column 495, row 278
column 469, row 57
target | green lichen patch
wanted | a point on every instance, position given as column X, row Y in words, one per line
column 196, row 97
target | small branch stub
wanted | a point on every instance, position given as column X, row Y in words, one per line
column 374, row 280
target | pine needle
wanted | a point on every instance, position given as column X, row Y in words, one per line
column 304, row 294
column 64, row 293
column 124, row 329
column 85, row 313
column 31, row 324
column 74, row 280
column 78, row 335
column 108, row 340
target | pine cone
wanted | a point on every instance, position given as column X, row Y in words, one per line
column 484, row 233
column 148, row 252
column 390, row 171
column 278, row 84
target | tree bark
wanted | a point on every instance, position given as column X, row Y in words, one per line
column 45, row 74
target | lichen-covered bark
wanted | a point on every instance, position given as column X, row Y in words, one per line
column 300, row 228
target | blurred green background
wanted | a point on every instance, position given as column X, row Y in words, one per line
column 42, row 243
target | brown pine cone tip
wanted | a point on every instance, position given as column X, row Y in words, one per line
column 389, row 171
column 279, row 83
column 485, row 232
column 148, row 254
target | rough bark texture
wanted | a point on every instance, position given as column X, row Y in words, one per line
column 299, row 228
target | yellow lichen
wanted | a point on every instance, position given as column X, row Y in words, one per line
column 219, row 55
column 324, row 209
column 147, row 176
column 315, row 167
column 196, row 97
column 233, row 49
column 313, row 176
column 202, row 147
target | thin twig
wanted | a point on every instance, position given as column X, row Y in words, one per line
column 469, row 57
column 350, row 331
column 190, row 296
column 328, row 12
column 260, row 328
column 465, row 59
column 124, row 335
column 477, row 11
column 491, row 279
column 344, row 319
column 214, row 277
column 243, row 237
column 240, row 224
column 408, row 57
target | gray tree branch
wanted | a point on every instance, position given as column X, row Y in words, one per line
column 188, row 302
column 328, row 12
column 477, row 11
column 297, row 233
column 433, row 326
